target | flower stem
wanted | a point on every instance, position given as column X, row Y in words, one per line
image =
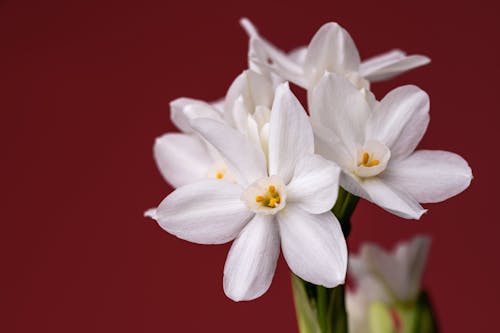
column 327, row 305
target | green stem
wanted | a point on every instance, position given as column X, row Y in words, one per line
column 327, row 303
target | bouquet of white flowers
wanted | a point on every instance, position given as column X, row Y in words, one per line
column 256, row 169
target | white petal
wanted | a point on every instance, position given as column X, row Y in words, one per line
column 290, row 134
column 430, row 176
column 252, row 259
column 399, row 272
column 315, row 183
column 391, row 199
column 206, row 212
column 151, row 213
column 328, row 145
column 331, row 49
column 182, row 158
column 412, row 256
column 298, row 55
column 245, row 160
column 400, row 120
column 313, row 246
column 390, row 64
column 264, row 57
column 254, row 89
column 352, row 184
column 183, row 110
column 342, row 108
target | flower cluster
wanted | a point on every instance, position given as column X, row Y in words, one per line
column 256, row 169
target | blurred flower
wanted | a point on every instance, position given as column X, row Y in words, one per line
column 374, row 145
column 388, row 293
column 331, row 49
column 286, row 199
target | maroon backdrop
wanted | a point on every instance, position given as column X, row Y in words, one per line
column 85, row 90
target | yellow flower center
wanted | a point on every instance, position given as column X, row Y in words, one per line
column 270, row 198
column 368, row 160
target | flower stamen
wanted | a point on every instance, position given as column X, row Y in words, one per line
column 219, row 175
column 269, row 199
column 367, row 160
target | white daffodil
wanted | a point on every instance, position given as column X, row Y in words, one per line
column 374, row 146
column 331, row 49
column 185, row 157
column 286, row 200
column 387, row 285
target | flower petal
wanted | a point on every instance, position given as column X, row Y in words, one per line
column 333, row 50
column 290, row 134
column 412, row 256
column 390, row 64
column 298, row 55
column 183, row 110
column 430, row 175
column 391, row 199
column 265, row 57
column 399, row 272
column 313, row 246
column 182, row 158
column 315, row 184
column 245, row 160
column 206, row 212
column 252, row 259
column 400, row 120
column 339, row 106
column 253, row 89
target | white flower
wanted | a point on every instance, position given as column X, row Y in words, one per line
column 374, row 146
column 331, row 49
column 285, row 201
column 390, row 278
column 183, row 158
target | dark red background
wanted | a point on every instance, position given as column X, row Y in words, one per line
column 85, row 90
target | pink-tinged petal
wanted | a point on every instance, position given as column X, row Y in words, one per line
column 183, row 110
column 251, row 262
column 390, row 64
column 339, row 106
column 313, row 246
column 333, row 50
column 205, row 212
column 182, row 158
column 400, row 120
column 290, row 134
column 430, row 175
column 315, row 184
column 392, row 199
column 245, row 160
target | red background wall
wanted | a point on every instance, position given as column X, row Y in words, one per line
column 84, row 91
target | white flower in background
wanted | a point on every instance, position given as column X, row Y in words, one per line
column 375, row 147
column 385, row 280
column 183, row 158
column 285, row 201
column 331, row 49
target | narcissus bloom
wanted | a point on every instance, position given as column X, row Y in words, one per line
column 387, row 285
column 374, row 146
column 282, row 197
column 185, row 157
column 332, row 50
